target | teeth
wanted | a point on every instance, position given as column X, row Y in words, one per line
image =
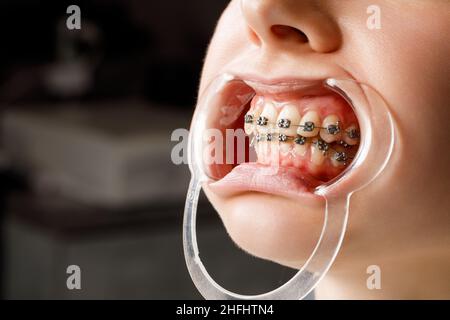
column 300, row 150
column 254, row 114
column 249, row 123
column 287, row 120
column 336, row 163
column 285, row 148
column 351, row 135
column 339, row 159
column 317, row 156
column 284, row 137
column 285, row 145
column 267, row 118
column 300, row 146
column 309, row 124
column 331, row 131
column 322, row 145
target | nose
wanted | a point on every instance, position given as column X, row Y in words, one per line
column 275, row 23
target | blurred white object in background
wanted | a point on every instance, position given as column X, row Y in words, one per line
column 112, row 156
column 72, row 73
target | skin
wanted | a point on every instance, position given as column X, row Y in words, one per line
column 406, row 233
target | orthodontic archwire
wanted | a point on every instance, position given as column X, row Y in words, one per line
column 308, row 126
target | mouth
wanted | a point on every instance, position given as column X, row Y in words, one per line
column 285, row 138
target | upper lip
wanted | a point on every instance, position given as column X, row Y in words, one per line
column 303, row 82
column 287, row 86
column 278, row 71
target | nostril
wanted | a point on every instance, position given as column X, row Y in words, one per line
column 285, row 32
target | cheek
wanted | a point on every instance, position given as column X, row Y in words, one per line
column 406, row 60
column 230, row 38
column 408, row 63
column 271, row 227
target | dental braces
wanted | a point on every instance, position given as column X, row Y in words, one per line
column 323, row 146
column 308, row 126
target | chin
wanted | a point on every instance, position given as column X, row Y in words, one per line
column 269, row 226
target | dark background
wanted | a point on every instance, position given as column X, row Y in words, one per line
column 86, row 176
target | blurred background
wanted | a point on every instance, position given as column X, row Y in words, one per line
column 85, row 170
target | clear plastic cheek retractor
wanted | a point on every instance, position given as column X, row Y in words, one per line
column 375, row 149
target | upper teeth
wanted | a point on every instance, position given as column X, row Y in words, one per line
column 254, row 113
column 262, row 121
column 352, row 135
column 267, row 119
column 284, row 123
column 288, row 120
column 333, row 129
column 330, row 130
column 309, row 124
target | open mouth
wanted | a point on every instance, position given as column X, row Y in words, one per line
column 295, row 136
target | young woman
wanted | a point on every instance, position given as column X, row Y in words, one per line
column 400, row 222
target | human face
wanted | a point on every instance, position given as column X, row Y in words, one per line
column 404, row 211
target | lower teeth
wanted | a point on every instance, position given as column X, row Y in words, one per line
column 339, row 156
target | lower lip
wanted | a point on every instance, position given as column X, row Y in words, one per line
column 282, row 181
